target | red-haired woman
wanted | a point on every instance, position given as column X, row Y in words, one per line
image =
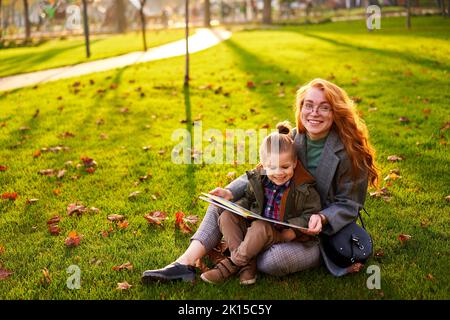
column 332, row 143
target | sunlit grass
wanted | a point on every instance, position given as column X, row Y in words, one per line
column 388, row 78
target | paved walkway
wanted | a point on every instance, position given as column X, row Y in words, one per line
column 201, row 40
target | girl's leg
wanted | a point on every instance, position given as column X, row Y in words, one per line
column 285, row 258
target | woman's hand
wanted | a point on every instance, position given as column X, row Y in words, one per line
column 315, row 225
column 288, row 235
column 223, row 193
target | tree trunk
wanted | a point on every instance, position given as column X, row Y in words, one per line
column 120, row 16
column 207, row 17
column 448, row 8
column 27, row 21
column 408, row 14
column 86, row 28
column 267, row 12
column 143, row 25
column 1, row 21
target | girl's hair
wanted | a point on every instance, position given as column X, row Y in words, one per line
column 350, row 127
column 285, row 142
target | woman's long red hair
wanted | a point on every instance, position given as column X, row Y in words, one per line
column 350, row 127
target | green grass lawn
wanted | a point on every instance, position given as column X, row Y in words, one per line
column 58, row 53
column 391, row 73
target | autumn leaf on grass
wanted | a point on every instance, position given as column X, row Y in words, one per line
column 10, row 196
column 53, row 225
column 192, row 219
column 2, row 249
column 123, row 286
column 52, row 172
column 156, row 217
column 115, row 217
column 404, row 237
column 379, row 253
column 395, row 158
column 31, row 201
column 392, row 176
column 122, row 224
column 90, row 170
column 54, row 229
column 88, row 162
column 4, row 273
column 127, row 266
column 133, row 195
column 381, row 193
column 73, row 240
column 46, row 279
column 76, row 208
column 3, row 168
column 231, row 175
column 251, row 84
column 184, row 224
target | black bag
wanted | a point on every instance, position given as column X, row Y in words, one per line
column 352, row 244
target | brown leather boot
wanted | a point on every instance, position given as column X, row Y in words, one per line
column 247, row 274
column 221, row 272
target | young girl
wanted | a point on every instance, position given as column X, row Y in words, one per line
column 280, row 189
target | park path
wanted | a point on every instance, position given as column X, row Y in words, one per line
column 201, row 40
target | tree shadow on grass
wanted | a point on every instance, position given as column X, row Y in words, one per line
column 393, row 54
column 262, row 71
column 26, row 61
column 180, row 239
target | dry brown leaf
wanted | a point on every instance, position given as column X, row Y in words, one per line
column 4, row 273
column 46, row 279
column 231, row 175
column 73, row 239
column 122, row 224
column 123, row 286
column 404, row 237
column 134, row 194
column 394, row 158
column 54, row 229
column 192, row 219
column 31, row 201
column 127, row 266
column 115, row 217
column 156, row 217
column 379, row 253
column 75, row 208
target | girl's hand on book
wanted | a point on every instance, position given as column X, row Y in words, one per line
column 315, row 225
column 223, row 193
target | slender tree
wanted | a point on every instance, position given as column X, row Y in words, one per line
column 448, row 8
column 86, row 28
column 267, row 12
column 408, row 14
column 1, row 21
column 143, row 24
column 207, row 17
column 27, row 20
column 120, row 16
column 186, row 20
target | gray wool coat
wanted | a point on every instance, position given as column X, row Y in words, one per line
column 341, row 197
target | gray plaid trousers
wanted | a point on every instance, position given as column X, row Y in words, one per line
column 278, row 260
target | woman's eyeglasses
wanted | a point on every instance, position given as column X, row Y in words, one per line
column 322, row 108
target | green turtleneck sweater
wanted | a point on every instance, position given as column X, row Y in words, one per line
column 313, row 152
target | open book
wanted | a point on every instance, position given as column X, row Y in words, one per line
column 233, row 207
